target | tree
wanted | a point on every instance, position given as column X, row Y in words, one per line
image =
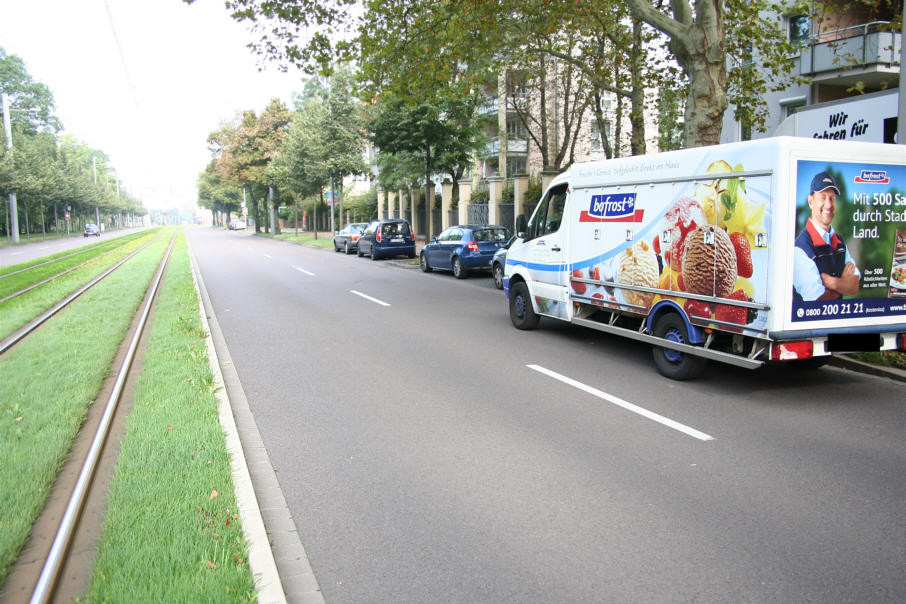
column 216, row 194
column 443, row 133
column 31, row 102
column 716, row 42
column 244, row 149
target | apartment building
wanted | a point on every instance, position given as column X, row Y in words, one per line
column 852, row 60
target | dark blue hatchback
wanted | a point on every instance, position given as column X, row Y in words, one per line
column 387, row 238
column 462, row 248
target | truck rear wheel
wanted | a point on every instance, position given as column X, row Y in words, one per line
column 674, row 364
column 521, row 312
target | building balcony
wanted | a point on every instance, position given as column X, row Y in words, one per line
column 863, row 53
column 514, row 146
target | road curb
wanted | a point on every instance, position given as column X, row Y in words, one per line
column 253, row 472
column 851, row 364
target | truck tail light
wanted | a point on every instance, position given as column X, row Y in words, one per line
column 473, row 247
column 790, row 351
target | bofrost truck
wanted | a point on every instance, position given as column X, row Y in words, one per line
column 781, row 249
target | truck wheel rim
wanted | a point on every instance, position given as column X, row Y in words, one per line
column 674, row 335
column 520, row 306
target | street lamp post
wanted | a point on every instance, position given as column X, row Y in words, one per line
column 13, row 211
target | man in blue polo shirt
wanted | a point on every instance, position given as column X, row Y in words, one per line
column 823, row 268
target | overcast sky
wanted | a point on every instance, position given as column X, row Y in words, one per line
column 145, row 81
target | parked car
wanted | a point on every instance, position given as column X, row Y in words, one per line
column 237, row 225
column 498, row 263
column 463, row 248
column 347, row 239
column 91, row 230
column 386, row 238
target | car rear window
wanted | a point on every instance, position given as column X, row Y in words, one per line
column 490, row 234
column 395, row 229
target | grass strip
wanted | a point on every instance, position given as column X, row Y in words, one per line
column 18, row 311
column 44, row 268
column 47, row 383
column 172, row 532
column 324, row 240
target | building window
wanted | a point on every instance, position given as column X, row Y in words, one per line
column 514, row 129
column 799, row 30
column 596, row 144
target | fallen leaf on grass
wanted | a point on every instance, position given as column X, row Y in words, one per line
column 210, row 564
column 214, row 494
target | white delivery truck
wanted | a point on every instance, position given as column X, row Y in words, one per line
column 780, row 249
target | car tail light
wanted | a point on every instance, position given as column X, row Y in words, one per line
column 790, row 351
column 473, row 247
column 355, row 237
column 411, row 233
column 377, row 235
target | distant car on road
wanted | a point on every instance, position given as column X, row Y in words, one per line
column 237, row 225
column 498, row 263
column 462, row 248
column 386, row 238
column 347, row 239
column 91, row 230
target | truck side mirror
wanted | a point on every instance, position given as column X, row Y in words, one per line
column 521, row 226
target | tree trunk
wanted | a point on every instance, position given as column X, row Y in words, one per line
column 697, row 40
column 637, row 112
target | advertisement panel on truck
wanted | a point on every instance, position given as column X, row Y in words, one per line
column 849, row 254
column 701, row 238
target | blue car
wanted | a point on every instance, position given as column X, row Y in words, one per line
column 463, row 248
column 386, row 238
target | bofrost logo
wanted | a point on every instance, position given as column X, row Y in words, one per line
column 873, row 177
column 612, row 208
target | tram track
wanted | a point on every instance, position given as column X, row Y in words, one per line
column 55, row 563
column 46, row 280
column 31, row 326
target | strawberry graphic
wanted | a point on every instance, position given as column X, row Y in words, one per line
column 733, row 314
column 743, row 254
column 578, row 286
column 698, row 308
column 596, row 274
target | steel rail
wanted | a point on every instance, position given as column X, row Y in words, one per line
column 30, row 327
column 52, row 566
column 51, row 278
column 80, row 250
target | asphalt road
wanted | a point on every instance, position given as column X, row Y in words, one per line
column 430, row 452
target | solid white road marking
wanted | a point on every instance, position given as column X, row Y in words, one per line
column 625, row 404
column 375, row 300
column 302, row 270
column 268, row 256
column 17, row 253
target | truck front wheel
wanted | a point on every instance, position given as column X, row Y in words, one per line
column 674, row 364
column 521, row 312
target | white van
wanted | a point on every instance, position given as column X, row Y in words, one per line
column 780, row 249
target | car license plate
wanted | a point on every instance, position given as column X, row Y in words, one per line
column 397, row 240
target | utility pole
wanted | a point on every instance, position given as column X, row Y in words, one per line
column 94, row 171
column 901, row 118
column 13, row 211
